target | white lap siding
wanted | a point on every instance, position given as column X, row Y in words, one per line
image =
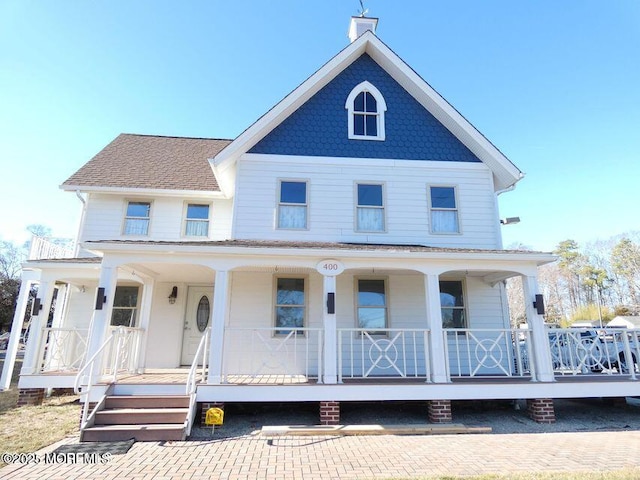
column 331, row 197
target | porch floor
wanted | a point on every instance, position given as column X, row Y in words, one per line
column 173, row 376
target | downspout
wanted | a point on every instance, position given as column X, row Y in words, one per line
column 76, row 249
column 497, row 210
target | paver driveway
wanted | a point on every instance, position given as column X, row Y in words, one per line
column 351, row 457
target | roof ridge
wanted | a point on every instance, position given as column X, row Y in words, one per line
column 176, row 136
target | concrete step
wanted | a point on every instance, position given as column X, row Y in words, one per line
column 147, row 401
column 144, row 433
column 140, row 416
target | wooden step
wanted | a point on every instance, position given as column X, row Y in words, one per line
column 144, row 433
column 147, row 401
column 140, row 416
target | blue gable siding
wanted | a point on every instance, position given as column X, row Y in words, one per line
column 319, row 127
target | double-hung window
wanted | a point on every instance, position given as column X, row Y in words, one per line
column 372, row 305
column 197, row 220
column 444, row 210
column 125, row 307
column 292, row 205
column 136, row 220
column 290, row 305
column 370, row 208
column 452, row 304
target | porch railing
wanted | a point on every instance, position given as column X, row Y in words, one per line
column 118, row 353
column 62, row 349
column 275, row 355
column 42, row 248
column 488, row 352
column 611, row 351
column 124, row 352
column 383, row 353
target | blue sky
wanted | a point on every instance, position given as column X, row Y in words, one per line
column 553, row 84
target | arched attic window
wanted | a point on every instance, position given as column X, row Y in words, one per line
column 366, row 107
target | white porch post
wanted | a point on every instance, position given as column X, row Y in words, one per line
column 16, row 330
column 539, row 337
column 330, row 361
column 437, row 350
column 101, row 318
column 145, row 317
column 38, row 322
column 218, row 320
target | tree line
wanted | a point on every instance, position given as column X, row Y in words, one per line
column 593, row 282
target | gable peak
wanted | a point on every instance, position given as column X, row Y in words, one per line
column 359, row 25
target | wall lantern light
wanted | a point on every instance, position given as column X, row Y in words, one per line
column 174, row 295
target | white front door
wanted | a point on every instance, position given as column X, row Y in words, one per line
column 196, row 322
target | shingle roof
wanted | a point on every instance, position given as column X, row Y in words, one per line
column 152, row 162
column 271, row 244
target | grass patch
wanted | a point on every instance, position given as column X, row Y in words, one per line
column 30, row 428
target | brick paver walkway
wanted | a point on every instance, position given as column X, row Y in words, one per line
column 350, row 457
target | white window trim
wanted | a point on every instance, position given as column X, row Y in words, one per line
column 432, row 209
column 382, row 108
column 465, row 297
column 127, row 201
column 305, row 319
column 387, row 306
column 357, row 206
column 279, row 204
column 185, row 209
column 135, row 309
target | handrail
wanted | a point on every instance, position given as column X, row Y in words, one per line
column 191, row 378
column 90, row 364
column 201, row 351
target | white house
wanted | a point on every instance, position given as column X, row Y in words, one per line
column 346, row 246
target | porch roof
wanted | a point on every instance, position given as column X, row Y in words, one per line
column 295, row 247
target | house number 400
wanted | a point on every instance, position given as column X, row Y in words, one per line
column 330, row 267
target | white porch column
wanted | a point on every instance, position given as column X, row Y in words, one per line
column 437, row 350
column 540, row 339
column 330, row 360
column 16, row 330
column 218, row 320
column 145, row 317
column 101, row 318
column 38, row 322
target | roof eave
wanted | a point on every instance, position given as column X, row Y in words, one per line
column 142, row 191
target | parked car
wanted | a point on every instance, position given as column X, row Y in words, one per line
column 593, row 350
column 4, row 340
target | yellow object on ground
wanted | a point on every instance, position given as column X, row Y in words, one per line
column 214, row 416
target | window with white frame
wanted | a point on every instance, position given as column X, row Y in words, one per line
column 372, row 305
column 452, row 304
column 125, row 307
column 290, row 304
column 197, row 220
column 292, row 205
column 366, row 110
column 370, row 207
column 137, row 218
column 444, row 210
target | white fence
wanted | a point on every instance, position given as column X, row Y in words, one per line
column 42, row 249
column 612, row 351
column 488, row 352
column 384, row 353
column 272, row 355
